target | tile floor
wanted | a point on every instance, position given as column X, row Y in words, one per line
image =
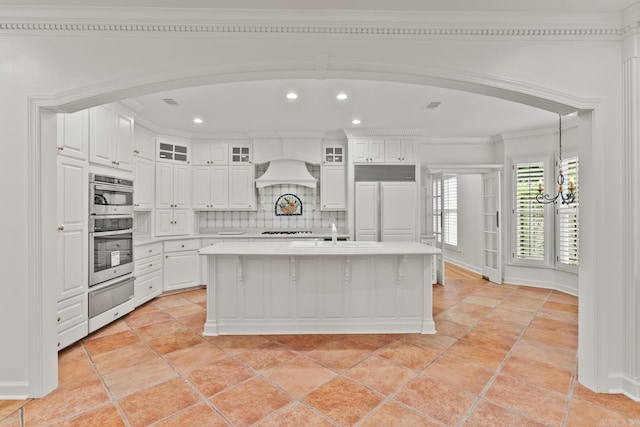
column 503, row 356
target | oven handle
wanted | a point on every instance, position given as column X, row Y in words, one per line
column 111, row 233
column 123, row 188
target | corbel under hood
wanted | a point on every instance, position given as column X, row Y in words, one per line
column 293, row 172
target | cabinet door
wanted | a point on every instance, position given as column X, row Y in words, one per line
column 164, row 222
column 143, row 183
column 164, row 185
column 182, row 186
column 333, row 188
column 367, row 211
column 219, row 154
column 219, row 187
column 360, row 150
column 398, row 211
column 409, row 151
column 241, row 187
column 72, row 242
column 144, row 144
column 102, row 136
column 333, row 155
column 123, row 144
column 182, row 221
column 180, row 270
column 73, row 135
column 393, row 150
column 202, row 154
column 148, row 286
column 376, row 151
column 201, row 187
column 240, row 154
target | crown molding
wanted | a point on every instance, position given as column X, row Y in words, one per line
column 457, row 141
column 382, row 133
column 369, row 24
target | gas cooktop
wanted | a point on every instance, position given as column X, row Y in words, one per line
column 287, row 232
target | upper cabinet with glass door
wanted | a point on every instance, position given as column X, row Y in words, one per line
column 173, row 151
column 240, row 154
column 333, row 155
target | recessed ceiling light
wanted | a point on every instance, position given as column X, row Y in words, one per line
column 198, row 120
column 355, row 121
column 341, row 96
column 292, row 95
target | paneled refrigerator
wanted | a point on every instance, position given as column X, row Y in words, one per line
column 386, row 211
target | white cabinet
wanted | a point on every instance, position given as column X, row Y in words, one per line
column 72, row 251
column 224, row 188
column 111, row 138
column 205, row 153
column 173, row 186
column 367, row 151
column 173, row 222
column 72, row 213
column 143, row 183
column 181, row 268
column 240, row 154
column 333, row 154
column 144, row 144
column 400, row 151
column 72, row 137
column 148, row 272
column 72, row 320
column 242, row 189
column 333, row 186
column 173, row 151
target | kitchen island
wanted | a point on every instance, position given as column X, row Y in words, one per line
column 306, row 287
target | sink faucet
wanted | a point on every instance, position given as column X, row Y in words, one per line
column 334, row 234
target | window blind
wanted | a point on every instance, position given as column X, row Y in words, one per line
column 529, row 214
column 568, row 218
column 450, row 201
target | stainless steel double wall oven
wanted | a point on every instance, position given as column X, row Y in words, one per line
column 111, row 281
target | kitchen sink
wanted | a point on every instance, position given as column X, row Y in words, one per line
column 328, row 244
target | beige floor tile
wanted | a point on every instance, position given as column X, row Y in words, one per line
column 300, row 376
column 380, row 375
column 295, row 414
column 392, row 414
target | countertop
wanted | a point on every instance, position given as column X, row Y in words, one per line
column 230, row 234
column 311, row 248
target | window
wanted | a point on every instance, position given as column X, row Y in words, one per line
column 568, row 220
column 528, row 213
column 445, row 208
column 544, row 232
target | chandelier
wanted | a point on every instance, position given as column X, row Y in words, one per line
column 565, row 198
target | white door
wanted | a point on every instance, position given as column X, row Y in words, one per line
column 367, row 211
column 201, row 187
column 219, row 187
column 182, row 186
column 164, row 185
column 398, row 211
column 144, row 181
column 437, row 200
column 492, row 254
column 124, row 142
column 241, row 187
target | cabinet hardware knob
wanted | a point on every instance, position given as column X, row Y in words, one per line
column 58, row 318
column 61, row 228
column 60, row 148
column 59, row 344
column 166, row 256
column 136, row 151
column 150, row 250
column 182, row 246
column 150, row 265
column 115, row 314
column 150, row 287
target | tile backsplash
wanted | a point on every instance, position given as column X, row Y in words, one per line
column 265, row 216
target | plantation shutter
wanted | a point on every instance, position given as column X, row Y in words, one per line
column 529, row 214
column 568, row 218
column 451, row 210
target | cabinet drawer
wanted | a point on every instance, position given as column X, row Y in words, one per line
column 210, row 241
column 182, row 245
column 147, row 265
column 72, row 312
column 148, row 286
column 73, row 334
column 144, row 251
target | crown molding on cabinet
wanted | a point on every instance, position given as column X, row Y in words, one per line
column 383, row 133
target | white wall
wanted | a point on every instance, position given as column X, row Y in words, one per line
column 77, row 68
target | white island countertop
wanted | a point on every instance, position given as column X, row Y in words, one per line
column 314, row 248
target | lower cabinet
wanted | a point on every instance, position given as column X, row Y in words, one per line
column 148, row 271
column 181, row 264
column 73, row 320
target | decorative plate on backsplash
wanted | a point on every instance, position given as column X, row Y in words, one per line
column 288, row 204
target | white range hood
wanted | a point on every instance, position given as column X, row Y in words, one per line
column 292, row 172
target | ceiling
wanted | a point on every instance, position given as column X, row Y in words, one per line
column 522, row 6
column 260, row 106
